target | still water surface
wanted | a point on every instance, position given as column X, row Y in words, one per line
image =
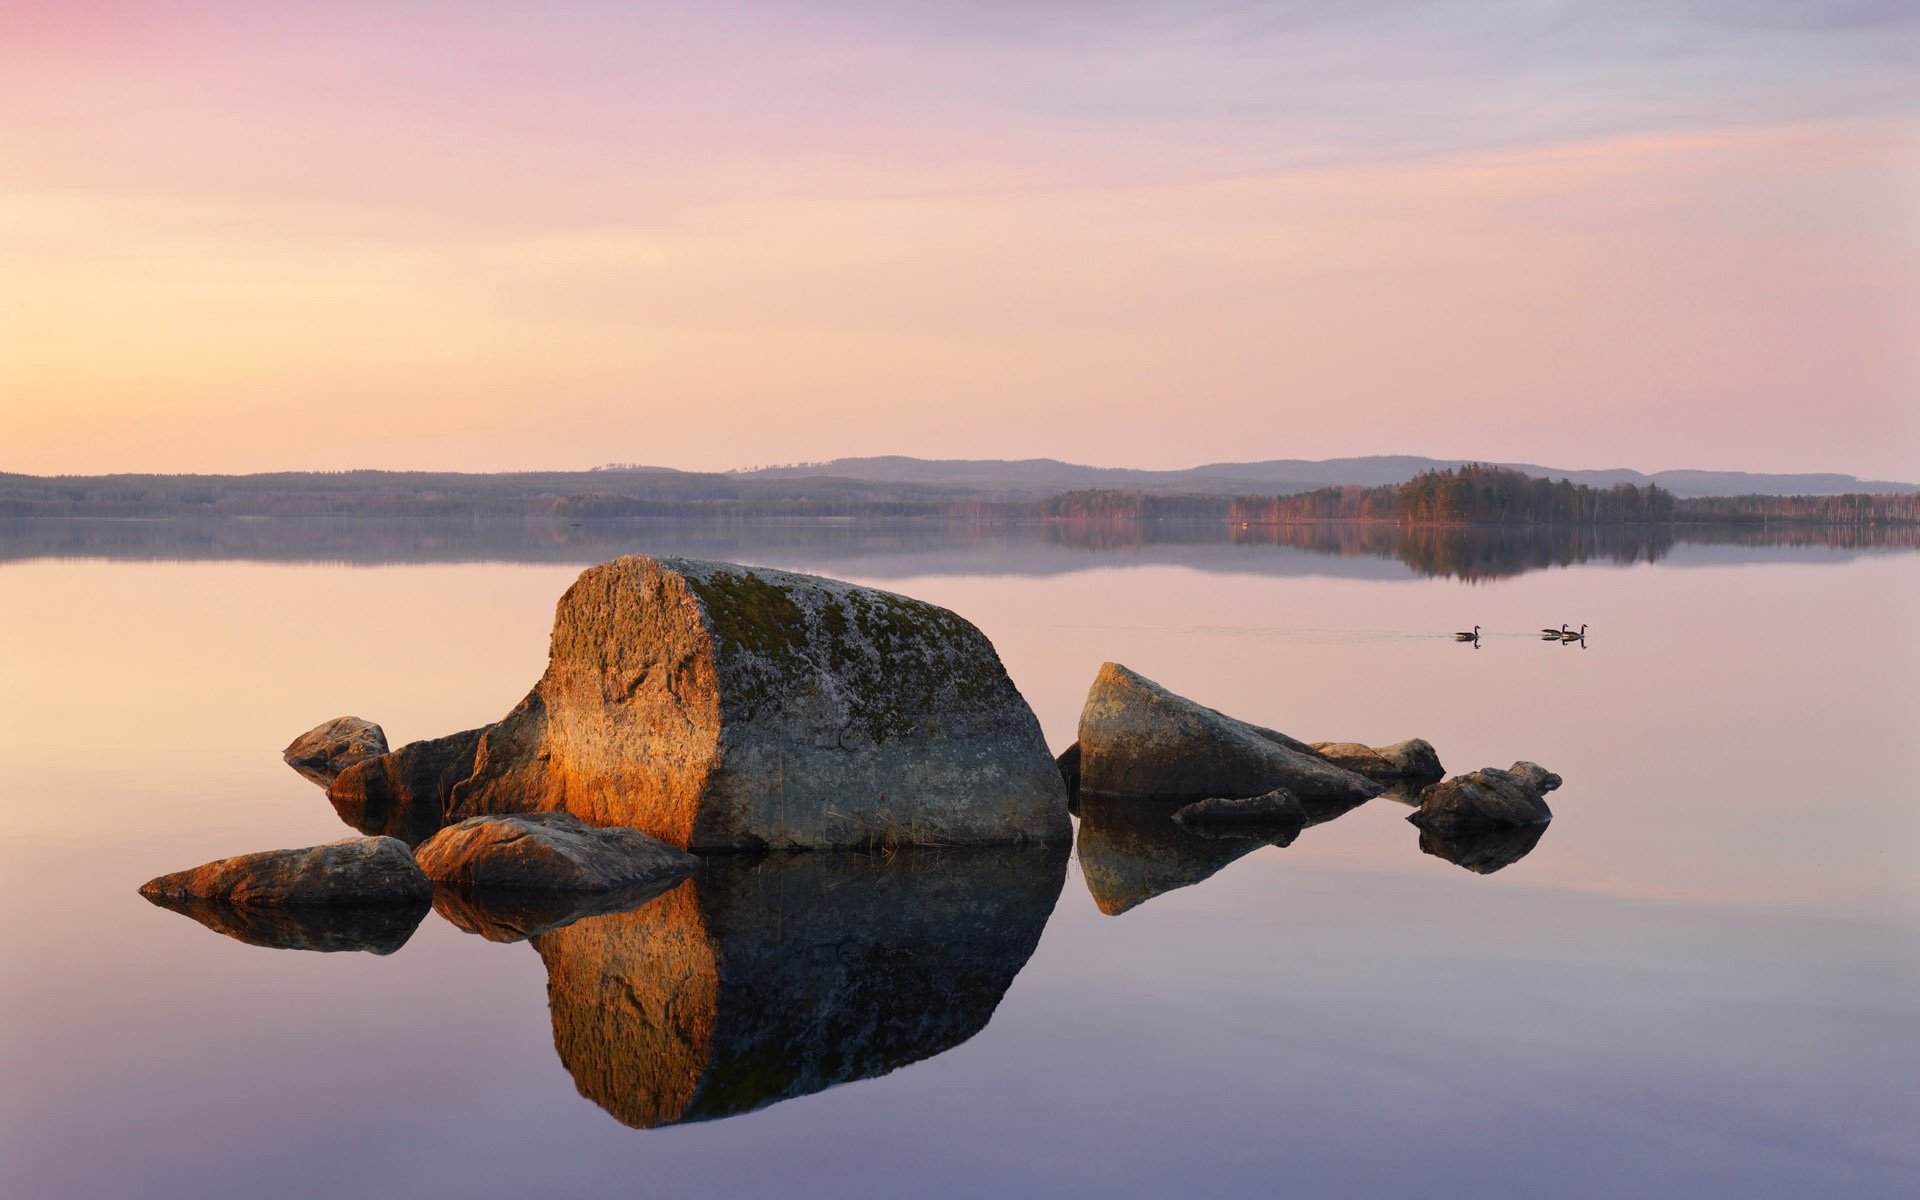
column 1703, row 980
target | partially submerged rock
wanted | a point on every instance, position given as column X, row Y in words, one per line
column 549, row 851
column 1412, row 761
column 406, row 793
column 347, row 873
column 323, row 752
column 1278, row 807
column 1487, row 799
column 768, row 977
column 1139, row 739
column 717, row 707
column 373, row 929
column 1069, row 764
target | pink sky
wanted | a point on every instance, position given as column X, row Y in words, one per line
column 249, row 236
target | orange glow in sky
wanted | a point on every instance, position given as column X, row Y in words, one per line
column 241, row 237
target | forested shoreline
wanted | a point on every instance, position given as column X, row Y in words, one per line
column 1468, row 495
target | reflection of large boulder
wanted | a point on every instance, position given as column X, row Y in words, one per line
column 717, row 707
column 1412, row 761
column 1139, row 739
column 405, row 793
column 549, row 852
column 321, row 753
column 1483, row 851
column 1132, row 850
column 1487, row 799
column 376, row 929
column 761, row 980
column 344, row 874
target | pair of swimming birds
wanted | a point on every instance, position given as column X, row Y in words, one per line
column 1561, row 634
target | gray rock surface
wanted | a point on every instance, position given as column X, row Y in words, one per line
column 324, row 751
column 1413, row 760
column 718, row 707
column 1139, row 739
column 349, row 872
column 549, row 851
column 1486, row 799
column 1278, row 807
column 406, row 793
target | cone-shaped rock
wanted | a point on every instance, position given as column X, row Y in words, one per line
column 406, row 793
column 759, row 980
column 342, row 874
column 718, row 707
column 374, row 929
column 549, row 851
column 1139, row 739
column 321, row 753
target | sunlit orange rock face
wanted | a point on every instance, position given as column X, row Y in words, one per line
column 721, row 707
column 759, row 981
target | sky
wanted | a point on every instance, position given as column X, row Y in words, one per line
column 480, row 235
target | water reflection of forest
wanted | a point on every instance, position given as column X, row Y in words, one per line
column 885, row 548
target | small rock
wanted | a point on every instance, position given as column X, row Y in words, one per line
column 405, row 793
column 352, row 871
column 1536, row 775
column 1278, row 807
column 324, row 751
column 1486, row 799
column 1069, row 764
column 1414, row 759
column 549, row 851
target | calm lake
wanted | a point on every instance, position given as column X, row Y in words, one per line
column 1703, row 980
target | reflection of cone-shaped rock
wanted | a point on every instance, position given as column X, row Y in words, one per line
column 759, row 981
column 1485, row 851
column 377, row 929
column 1133, row 850
column 516, row 914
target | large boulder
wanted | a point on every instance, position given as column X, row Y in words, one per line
column 549, row 851
column 1487, row 799
column 342, row 874
column 1412, row 761
column 1139, row 739
column 406, row 793
column 323, row 752
column 718, row 708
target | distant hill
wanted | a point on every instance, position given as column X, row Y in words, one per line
column 1033, row 477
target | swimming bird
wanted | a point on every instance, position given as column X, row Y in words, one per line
column 1575, row 637
column 1468, row 637
column 1560, row 632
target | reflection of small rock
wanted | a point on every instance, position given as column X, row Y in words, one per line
column 1278, row 807
column 1139, row 739
column 1487, row 799
column 347, row 873
column 375, row 929
column 405, row 793
column 1483, row 851
column 549, row 851
column 503, row 915
column 324, row 751
column 1413, row 760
